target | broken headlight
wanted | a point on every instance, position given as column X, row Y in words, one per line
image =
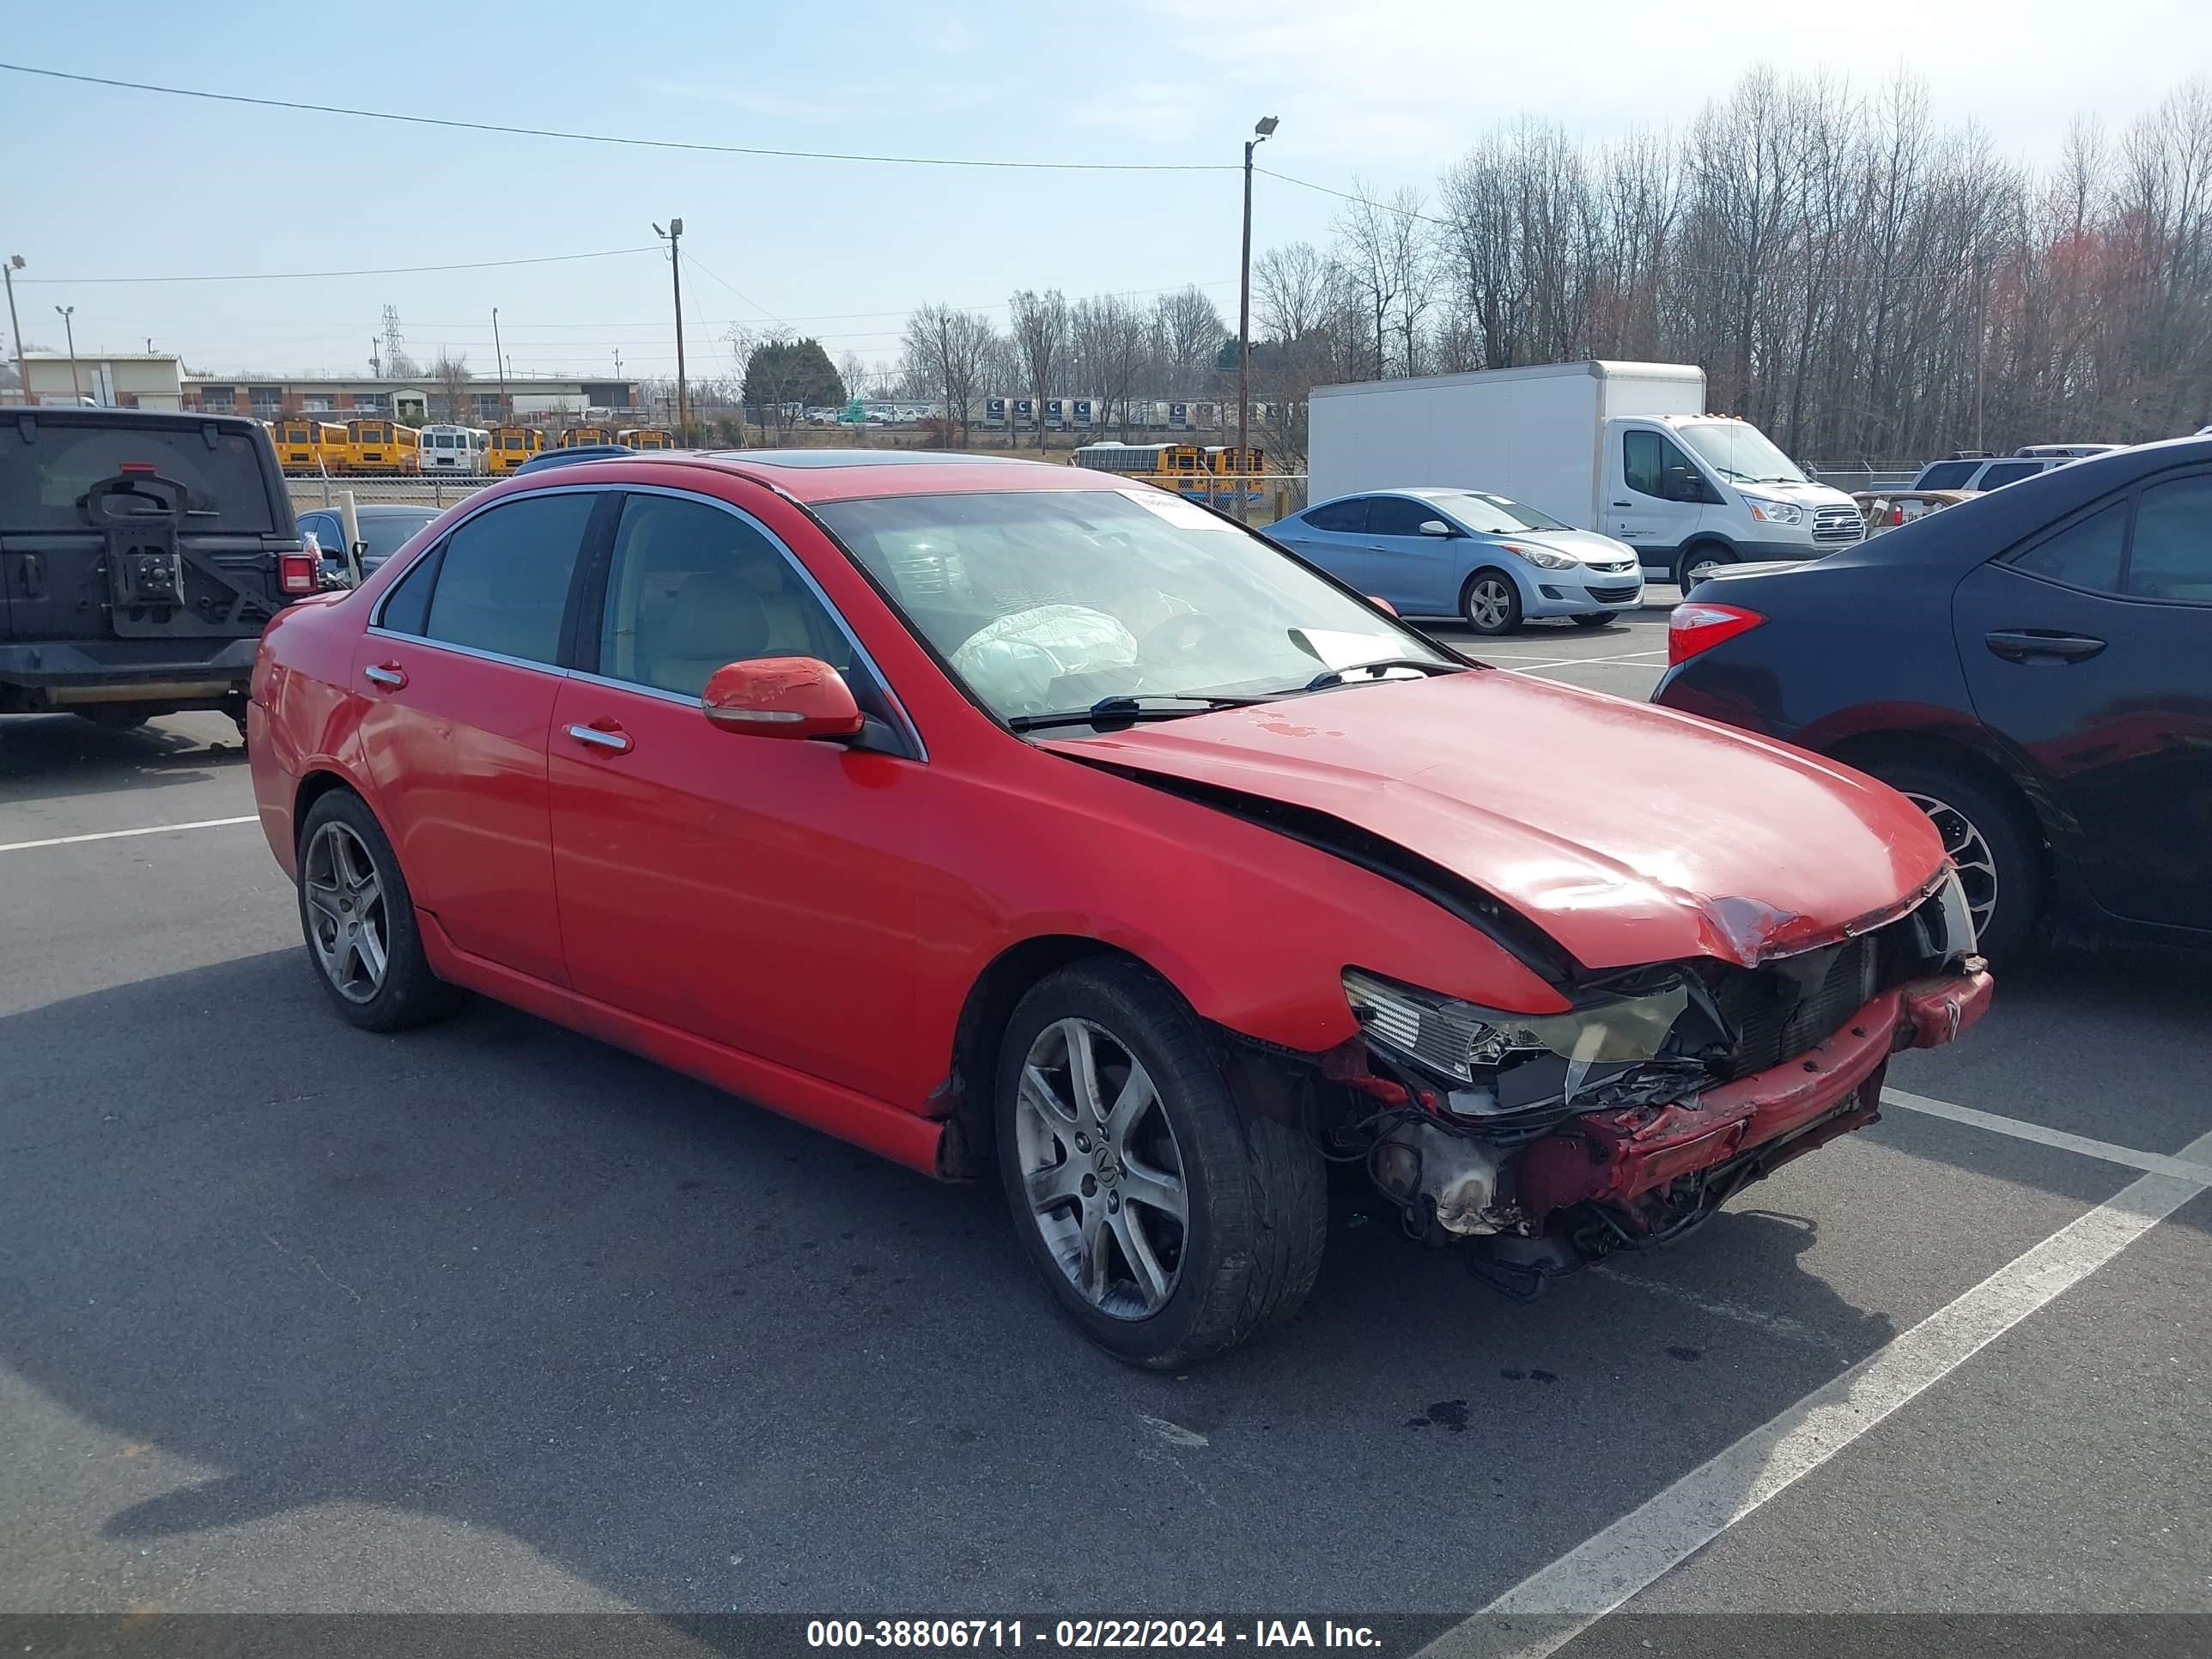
column 1515, row 1062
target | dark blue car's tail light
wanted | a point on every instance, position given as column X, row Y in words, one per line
column 1692, row 628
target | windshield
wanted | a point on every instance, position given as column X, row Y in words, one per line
column 1739, row 452
column 1050, row 600
column 1492, row 515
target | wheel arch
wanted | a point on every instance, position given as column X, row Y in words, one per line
column 314, row 785
column 2038, row 815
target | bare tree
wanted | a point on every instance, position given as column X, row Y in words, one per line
column 450, row 376
column 1190, row 332
column 1038, row 327
column 946, row 348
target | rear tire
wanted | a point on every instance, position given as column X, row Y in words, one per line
column 1491, row 601
column 358, row 919
column 116, row 716
column 1594, row 619
column 1993, row 841
column 1086, row 1172
column 1700, row 560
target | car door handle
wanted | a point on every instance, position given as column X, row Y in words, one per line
column 389, row 675
column 2019, row 644
column 1624, row 503
column 615, row 741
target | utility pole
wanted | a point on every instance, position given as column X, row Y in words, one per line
column 14, row 263
column 1261, row 130
column 499, row 357
column 673, row 235
column 69, row 326
column 1981, row 339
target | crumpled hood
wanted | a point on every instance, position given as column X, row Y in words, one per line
column 1629, row 833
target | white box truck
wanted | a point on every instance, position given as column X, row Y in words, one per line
column 1624, row 449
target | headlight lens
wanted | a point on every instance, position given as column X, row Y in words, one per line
column 1774, row 512
column 1541, row 555
column 1457, row 1039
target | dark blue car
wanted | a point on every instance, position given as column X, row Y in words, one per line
column 2032, row 667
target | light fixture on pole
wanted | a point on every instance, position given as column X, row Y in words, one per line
column 68, row 327
column 14, row 263
column 672, row 236
column 1262, row 130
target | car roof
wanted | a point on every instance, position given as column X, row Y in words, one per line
column 154, row 419
column 812, row 476
column 377, row 509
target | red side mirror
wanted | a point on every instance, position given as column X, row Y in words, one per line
column 782, row 697
column 1383, row 604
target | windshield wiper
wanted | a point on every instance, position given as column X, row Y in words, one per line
column 1115, row 711
column 1329, row 676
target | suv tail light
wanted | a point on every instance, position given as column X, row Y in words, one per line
column 296, row 572
column 1692, row 629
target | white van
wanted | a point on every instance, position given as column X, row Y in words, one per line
column 456, row 449
column 1624, row 449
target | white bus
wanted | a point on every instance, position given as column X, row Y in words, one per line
column 456, row 449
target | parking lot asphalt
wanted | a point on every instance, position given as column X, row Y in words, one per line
column 493, row 1318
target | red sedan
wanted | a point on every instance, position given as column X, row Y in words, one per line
column 991, row 814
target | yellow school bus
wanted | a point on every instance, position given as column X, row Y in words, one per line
column 511, row 446
column 578, row 435
column 382, row 445
column 1226, row 461
column 305, row 444
column 646, row 437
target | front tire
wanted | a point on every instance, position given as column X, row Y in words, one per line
column 1490, row 602
column 1990, row 838
column 358, row 919
column 1169, row 1225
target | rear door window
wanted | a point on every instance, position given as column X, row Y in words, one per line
column 1946, row 475
column 503, row 578
column 2085, row 555
column 2171, row 555
column 2001, row 473
column 1342, row 518
column 43, row 483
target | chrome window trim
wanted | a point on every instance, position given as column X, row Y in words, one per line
column 551, row 668
column 911, row 732
column 659, row 694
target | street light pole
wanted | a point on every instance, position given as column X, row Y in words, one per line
column 498, row 358
column 14, row 263
column 674, row 234
column 1261, row 130
column 68, row 327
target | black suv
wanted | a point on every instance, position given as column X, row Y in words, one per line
column 140, row 557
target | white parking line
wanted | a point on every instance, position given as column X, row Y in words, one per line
column 2154, row 1162
column 118, row 835
column 1550, row 1608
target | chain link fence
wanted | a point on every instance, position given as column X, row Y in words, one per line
column 1259, row 499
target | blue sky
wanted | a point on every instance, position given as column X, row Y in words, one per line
column 128, row 185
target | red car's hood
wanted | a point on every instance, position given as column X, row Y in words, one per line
column 1629, row 833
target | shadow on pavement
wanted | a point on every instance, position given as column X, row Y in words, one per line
column 705, row 1359
column 47, row 754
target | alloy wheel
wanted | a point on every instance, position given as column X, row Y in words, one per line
column 1489, row 602
column 1099, row 1163
column 346, row 914
column 1970, row 851
column 1698, row 569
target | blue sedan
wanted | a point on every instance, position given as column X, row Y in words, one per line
column 1492, row 563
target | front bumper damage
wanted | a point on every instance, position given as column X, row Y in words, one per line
column 1621, row 1159
column 1537, row 1203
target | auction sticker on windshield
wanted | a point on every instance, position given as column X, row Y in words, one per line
column 1185, row 515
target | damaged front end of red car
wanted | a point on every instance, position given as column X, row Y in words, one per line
column 1547, row 1142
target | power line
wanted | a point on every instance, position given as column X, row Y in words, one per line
column 300, row 275
column 614, row 138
